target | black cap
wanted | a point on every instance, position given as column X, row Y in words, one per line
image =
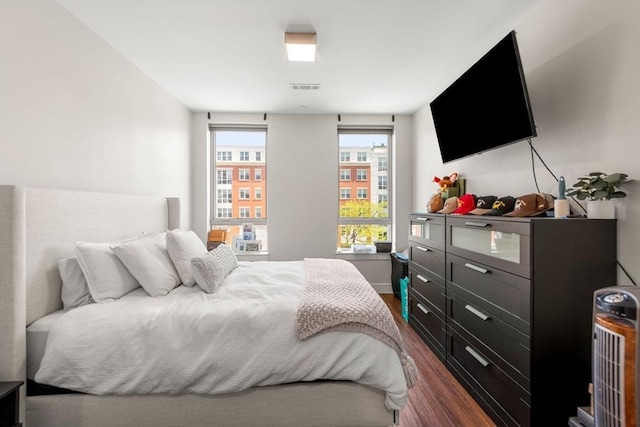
column 502, row 206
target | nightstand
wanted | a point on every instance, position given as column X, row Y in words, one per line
column 10, row 404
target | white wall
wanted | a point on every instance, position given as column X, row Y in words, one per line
column 582, row 65
column 74, row 114
column 302, row 183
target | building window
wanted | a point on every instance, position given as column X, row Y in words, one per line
column 231, row 183
column 224, row 213
column 224, row 156
column 345, row 156
column 382, row 183
column 345, row 174
column 224, row 176
column 367, row 217
column 383, row 164
column 224, row 195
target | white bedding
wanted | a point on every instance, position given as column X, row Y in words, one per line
column 241, row 336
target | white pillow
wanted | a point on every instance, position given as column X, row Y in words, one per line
column 147, row 260
column 75, row 291
column 108, row 279
column 182, row 246
column 211, row 269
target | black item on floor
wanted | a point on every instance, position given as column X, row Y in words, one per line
column 399, row 270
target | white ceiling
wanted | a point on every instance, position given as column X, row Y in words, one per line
column 373, row 56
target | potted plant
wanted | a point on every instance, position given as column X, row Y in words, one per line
column 598, row 189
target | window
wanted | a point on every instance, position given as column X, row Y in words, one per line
column 224, row 176
column 383, row 164
column 366, row 218
column 382, row 183
column 345, row 156
column 235, row 198
column 224, row 156
column 345, row 174
column 224, row 195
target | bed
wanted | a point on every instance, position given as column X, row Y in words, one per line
column 38, row 227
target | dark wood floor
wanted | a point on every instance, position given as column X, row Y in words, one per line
column 438, row 400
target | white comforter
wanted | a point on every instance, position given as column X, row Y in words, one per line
column 241, row 336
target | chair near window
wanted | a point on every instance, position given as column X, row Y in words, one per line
column 215, row 238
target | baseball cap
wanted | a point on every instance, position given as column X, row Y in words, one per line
column 529, row 205
column 466, row 204
column 435, row 203
column 449, row 205
column 483, row 205
column 502, row 206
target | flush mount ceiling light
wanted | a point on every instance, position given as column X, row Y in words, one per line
column 301, row 47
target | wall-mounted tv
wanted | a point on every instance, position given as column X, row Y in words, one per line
column 485, row 108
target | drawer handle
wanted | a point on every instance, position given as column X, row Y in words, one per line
column 422, row 249
column 477, row 312
column 477, row 224
column 423, row 309
column 484, row 362
column 421, row 277
column 421, row 218
column 476, row 268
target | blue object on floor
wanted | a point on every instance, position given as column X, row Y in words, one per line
column 404, row 298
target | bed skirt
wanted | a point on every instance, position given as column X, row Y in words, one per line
column 328, row 403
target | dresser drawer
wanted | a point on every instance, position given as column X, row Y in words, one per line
column 500, row 243
column 505, row 295
column 423, row 283
column 507, row 342
column 425, row 314
column 427, row 257
column 427, row 229
column 506, row 398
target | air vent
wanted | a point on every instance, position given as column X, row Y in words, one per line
column 305, row 86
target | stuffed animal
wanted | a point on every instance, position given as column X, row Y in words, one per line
column 446, row 181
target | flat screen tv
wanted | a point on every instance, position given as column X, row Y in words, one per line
column 485, row 108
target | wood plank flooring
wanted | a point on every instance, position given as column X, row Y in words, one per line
column 438, row 400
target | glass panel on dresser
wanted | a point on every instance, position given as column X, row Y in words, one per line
column 497, row 244
column 421, row 227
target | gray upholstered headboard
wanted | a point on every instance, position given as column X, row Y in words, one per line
column 40, row 226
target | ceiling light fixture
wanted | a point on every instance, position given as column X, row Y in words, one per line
column 301, row 47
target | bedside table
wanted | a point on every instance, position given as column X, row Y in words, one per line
column 10, row 404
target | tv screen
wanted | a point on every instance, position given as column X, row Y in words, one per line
column 485, row 108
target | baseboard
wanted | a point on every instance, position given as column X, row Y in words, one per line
column 382, row 288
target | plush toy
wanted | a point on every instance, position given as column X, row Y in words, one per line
column 446, row 181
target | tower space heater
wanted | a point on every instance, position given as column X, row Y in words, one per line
column 615, row 356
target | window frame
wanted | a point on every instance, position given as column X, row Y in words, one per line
column 374, row 172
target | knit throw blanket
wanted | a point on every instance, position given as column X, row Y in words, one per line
column 337, row 297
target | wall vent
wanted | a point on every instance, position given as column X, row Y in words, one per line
column 305, row 86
